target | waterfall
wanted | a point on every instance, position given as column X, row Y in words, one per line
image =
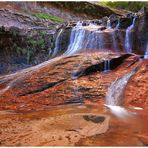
column 115, row 94
column 79, row 24
column 114, row 37
column 57, row 43
column 113, row 34
column 109, row 24
column 128, row 37
column 146, row 52
column 85, row 37
column 100, row 40
column 118, row 24
column 76, row 40
column 106, row 65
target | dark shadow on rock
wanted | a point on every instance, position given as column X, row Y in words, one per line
column 93, row 118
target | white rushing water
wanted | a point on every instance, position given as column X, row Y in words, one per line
column 109, row 24
column 57, row 43
column 85, row 37
column 115, row 94
column 128, row 37
column 76, row 39
column 115, row 44
column 118, row 24
column 106, row 65
column 119, row 111
column 146, row 52
column 113, row 35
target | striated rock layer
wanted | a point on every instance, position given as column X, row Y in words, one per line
column 63, row 80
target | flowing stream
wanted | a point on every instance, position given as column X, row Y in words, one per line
column 109, row 24
column 117, row 26
column 106, row 65
column 128, row 37
column 85, row 37
column 90, row 36
column 113, row 34
column 114, row 97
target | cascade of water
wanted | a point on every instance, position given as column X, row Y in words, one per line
column 118, row 24
column 115, row 94
column 79, row 24
column 114, row 37
column 100, row 40
column 128, row 37
column 84, row 37
column 146, row 52
column 109, row 24
column 57, row 43
column 106, row 65
column 113, row 33
column 76, row 40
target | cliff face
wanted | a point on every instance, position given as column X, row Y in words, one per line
column 25, row 40
column 28, row 30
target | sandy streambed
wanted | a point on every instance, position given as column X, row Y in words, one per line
column 68, row 125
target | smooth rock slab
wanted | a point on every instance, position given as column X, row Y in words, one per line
column 64, row 130
column 63, row 80
column 68, row 129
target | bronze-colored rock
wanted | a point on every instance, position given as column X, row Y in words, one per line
column 66, row 80
column 136, row 92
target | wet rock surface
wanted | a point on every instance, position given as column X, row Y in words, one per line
column 59, row 127
column 118, row 134
column 63, row 101
column 136, row 92
column 62, row 81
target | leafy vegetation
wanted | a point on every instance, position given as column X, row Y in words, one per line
column 48, row 17
column 132, row 6
column 31, row 45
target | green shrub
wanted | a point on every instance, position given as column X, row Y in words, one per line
column 48, row 17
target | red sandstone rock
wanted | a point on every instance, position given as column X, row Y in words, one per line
column 136, row 92
column 68, row 80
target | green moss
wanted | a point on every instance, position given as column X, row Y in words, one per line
column 37, row 43
column 48, row 17
column 132, row 6
column 41, row 43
